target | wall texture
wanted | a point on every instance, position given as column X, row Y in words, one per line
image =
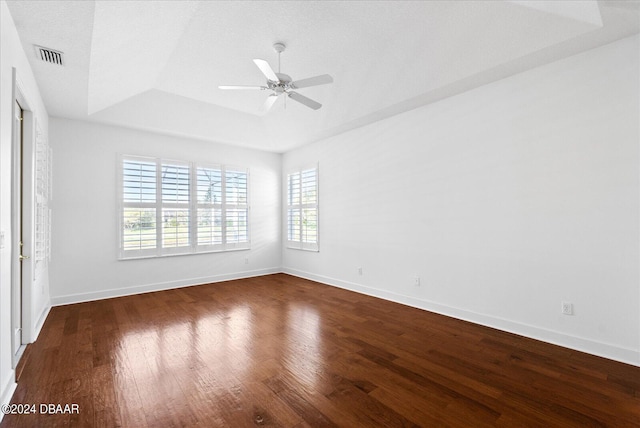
column 85, row 231
column 505, row 201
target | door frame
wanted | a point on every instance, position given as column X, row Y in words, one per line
column 22, row 210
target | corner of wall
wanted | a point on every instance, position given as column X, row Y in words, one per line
column 12, row 57
column 7, row 392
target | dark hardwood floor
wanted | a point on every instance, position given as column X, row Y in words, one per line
column 282, row 351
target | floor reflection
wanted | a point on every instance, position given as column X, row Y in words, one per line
column 303, row 356
column 154, row 351
column 219, row 348
column 239, row 345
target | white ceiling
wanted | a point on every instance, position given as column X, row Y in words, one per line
column 156, row 65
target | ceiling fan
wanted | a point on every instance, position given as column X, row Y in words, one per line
column 280, row 83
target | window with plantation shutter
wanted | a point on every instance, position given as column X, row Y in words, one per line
column 223, row 210
column 138, row 219
column 175, row 217
column 302, row 209
column 174, row 207
column 209, row 182
column 236, row 227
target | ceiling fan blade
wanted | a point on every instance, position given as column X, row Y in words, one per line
column 242, row 87
column 268, row 103
column 304, row 100
column 312, row 81
column 266, row 70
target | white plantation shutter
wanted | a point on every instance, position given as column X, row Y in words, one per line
column 302, row 209
column 236, row 225
column 139, row 235
column 174, row 184
column 293, row 208
column 209, row 199
column 223, row 209
column 174, row 207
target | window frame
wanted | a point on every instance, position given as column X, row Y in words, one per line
column 299, row 244
column 192, row 205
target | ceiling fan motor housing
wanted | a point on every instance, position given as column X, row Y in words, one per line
column 282, row 85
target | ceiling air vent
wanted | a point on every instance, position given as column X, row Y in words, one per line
column 49, row 55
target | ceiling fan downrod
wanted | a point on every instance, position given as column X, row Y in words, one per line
column 279, row 47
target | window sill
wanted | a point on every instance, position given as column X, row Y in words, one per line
column 160, row 256
column 311, row 250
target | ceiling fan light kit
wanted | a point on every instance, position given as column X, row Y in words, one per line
column 280, row 83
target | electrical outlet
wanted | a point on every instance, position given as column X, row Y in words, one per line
column 416, row 281
column 2, row 239
column 246, row 261
column 567, row 308
column 359, row 271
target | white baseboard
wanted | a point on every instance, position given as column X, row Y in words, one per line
column 628, row 356
column 43, row 317
column 612, row 352
column 149, row 288
column 8, row 390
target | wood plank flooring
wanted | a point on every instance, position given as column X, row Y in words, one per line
column 283, row 351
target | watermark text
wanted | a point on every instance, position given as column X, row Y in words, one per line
column 40, row 409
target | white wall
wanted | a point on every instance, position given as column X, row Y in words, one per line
column 505, row 201
column 85, row 231
column 13, row 56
